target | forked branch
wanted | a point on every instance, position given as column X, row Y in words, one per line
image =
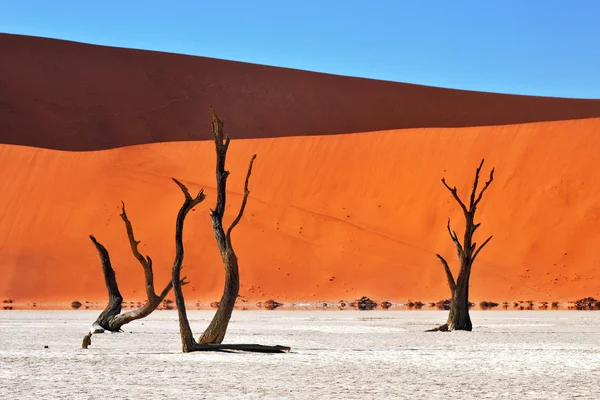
column 487, row 184
column 475, row 199
column 475, row 183
column 190, row 202
column 455, row 195
column 244, row 201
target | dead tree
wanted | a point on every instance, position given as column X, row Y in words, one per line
column 213, row 336
column 111, row 318
column 458, row 318
column 215, row 332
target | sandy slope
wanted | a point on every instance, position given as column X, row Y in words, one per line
column 329, row 217
column 71, row 96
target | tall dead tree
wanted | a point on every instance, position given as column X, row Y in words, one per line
column 111, row 318
column 215, row 332
column 213, row 336
column 458, row 318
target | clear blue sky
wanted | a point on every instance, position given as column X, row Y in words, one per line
column 539, row 47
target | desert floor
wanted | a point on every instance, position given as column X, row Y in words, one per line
column 335, row 354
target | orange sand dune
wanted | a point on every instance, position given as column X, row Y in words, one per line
column 72, row 96
column 329, row 217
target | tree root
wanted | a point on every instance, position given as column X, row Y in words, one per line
column 441, row 328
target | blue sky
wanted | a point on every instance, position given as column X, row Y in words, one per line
column 538, row 47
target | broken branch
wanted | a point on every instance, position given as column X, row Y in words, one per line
column 451, row 281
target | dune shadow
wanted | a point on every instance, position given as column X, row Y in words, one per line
column 71, row 96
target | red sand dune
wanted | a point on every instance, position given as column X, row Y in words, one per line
column 329, row 217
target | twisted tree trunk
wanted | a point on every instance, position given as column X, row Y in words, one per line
column 111, row 318
column 215, row 332
column 458, row 317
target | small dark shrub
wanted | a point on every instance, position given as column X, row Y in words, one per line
column 487, row 305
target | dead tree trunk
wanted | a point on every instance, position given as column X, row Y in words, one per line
column 215, row 332
column 458, row 318
column 213, row 336
column 111, row 318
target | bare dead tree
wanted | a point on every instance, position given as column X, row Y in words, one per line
column 215, row 332
column 213, row 336
column 111, row 318
column 458, row 318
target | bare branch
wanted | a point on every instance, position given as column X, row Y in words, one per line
column 459, row 249
column 115, row 299
column 217, row 126
column 145, row 262
column 132, row 242
column 110, row 279
column 227, row 139
column 168, row 288
column 215, row 120
column 188, row 197
column 475, row 183
column 184, row 189
column 451, row 281
column 481, row 247
column 455, row 195
column 487, row 184
column 244, row 200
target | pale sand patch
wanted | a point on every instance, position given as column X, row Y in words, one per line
column 336, row 354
